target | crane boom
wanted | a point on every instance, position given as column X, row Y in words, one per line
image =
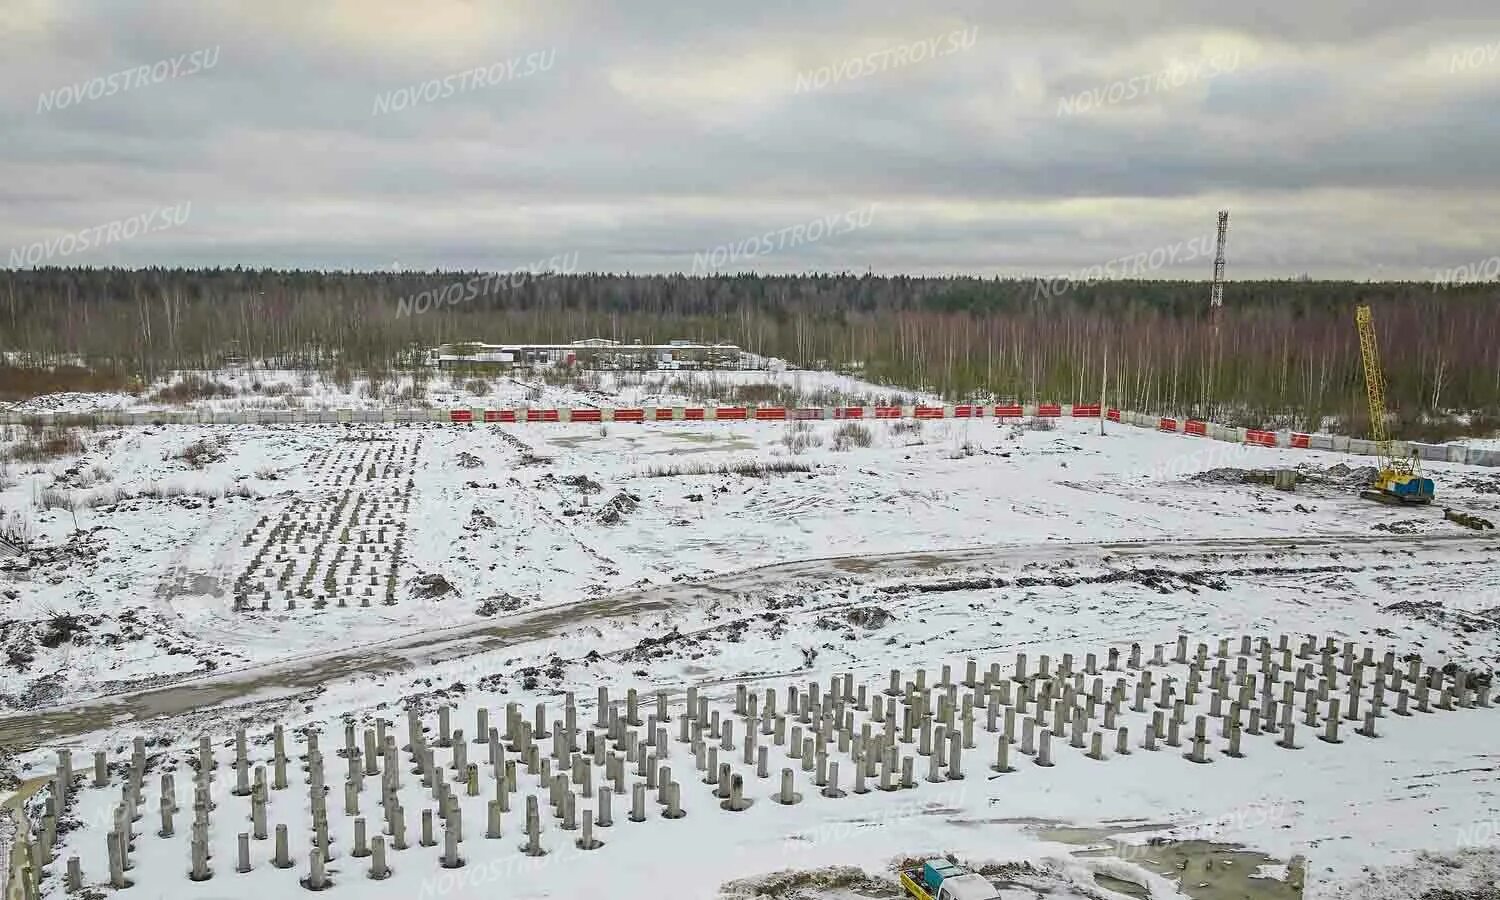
column 1374, row 381
column 1399, row 479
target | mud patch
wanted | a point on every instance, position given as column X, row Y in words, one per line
column 835, row 881
column 1164, row 581
column 1204, row 870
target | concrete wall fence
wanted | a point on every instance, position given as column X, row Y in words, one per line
column 1452, row 453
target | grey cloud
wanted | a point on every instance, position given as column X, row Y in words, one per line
column 663, row 129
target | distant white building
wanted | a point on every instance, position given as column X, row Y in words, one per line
column 590, row 353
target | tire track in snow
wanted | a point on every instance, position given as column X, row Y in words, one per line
column 311, row 671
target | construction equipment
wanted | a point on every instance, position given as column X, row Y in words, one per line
column 940, row 879
column 1400, row 478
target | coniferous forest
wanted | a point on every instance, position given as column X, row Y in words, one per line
column 1282, row 352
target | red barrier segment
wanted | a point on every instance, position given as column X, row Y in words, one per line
column 460, row 415
column 849, row 412
column 887, row 412
column 1012, row 411
column 731, row 413
column 693, row 414
column 499, row 415
column 630, row 415
column 806, row 413
column 1114, row 415
column 1087, row 411
column 1303, row 441
column 664, row 414
column 1193, row 426
column 1260, row 438
column 541, row 415
column 1049, row 410
column 770, row 414
column 586, row 415
column 1167, row 425
column 928, row 412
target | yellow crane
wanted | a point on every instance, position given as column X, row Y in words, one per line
column 1400, row 478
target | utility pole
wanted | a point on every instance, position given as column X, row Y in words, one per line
column 1104, row 392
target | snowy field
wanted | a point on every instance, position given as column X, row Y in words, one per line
column 222, row 390
column 210, row 577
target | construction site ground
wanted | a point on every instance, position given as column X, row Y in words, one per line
column 543, row 558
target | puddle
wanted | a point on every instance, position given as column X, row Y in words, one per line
column 572, row 440
column 190, row 584
column 1121, row 886
column 25, row 791
column 1204, row 870
column 706, row 443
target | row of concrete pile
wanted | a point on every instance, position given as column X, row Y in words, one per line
column 837, row 739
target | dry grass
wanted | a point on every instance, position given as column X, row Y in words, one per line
column 26, row 382
column 193, row 387
column 16, row 529
column 477, row 386
column 47, row 444
column 751, row 469
column 799, row 436
column 852, row 434
column 50, row 499
column 156, row 491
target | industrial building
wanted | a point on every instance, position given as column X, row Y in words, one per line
column 592, row 353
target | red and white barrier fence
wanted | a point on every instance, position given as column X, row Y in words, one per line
column 1453, row 453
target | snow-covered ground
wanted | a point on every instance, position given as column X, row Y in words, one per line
column 510, row 564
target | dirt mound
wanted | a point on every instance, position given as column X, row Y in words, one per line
column 499, row 603
column 431, row 587
column 869, row 617
column 582, row 483
column 1435, row 612
column 809, row 883
column 1338, row 475
column 620, row 505
column 478, row 520
column 468, row 460
column 1401, row 526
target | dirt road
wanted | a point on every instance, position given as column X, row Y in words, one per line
column 24, row 731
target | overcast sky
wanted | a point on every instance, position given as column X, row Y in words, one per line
column 1347, row 139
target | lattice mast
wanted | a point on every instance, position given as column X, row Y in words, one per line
column 1216, row 296
column 1369, row 349
column 1215, row 305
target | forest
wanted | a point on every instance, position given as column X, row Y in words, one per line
column 1279, row 353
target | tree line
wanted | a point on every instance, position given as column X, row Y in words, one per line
column 1280, row 352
